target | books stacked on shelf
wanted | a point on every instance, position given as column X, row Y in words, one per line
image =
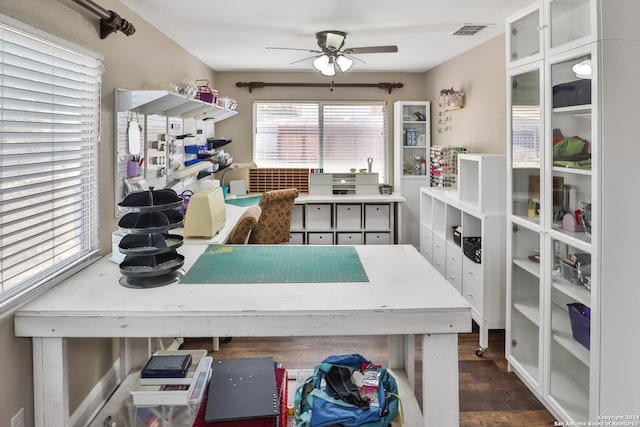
column 169, row 390
column 444, row 165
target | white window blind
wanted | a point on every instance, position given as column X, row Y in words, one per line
column 49, row 133
column 333, row 136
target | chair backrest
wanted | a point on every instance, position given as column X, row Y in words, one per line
column 246, row 223
column 274, row 224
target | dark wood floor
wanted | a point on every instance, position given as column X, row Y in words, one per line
column 489, row 395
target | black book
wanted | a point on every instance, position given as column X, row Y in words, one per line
column 167, row 366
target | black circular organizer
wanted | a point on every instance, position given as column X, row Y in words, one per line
column 151, row 253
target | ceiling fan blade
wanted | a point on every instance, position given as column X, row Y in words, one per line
column 293, row 48
column 371, row 49
column 303, row 59
column 356, row 58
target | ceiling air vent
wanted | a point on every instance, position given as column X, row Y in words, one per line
column 468, row 30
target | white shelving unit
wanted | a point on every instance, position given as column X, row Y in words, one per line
column 553, row 104
column 345, row 219
column 478, row 208
column 411, row 142
column 164, row 117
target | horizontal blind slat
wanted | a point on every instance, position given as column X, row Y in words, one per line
column 49, row 133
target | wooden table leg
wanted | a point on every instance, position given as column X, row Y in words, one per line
column 50, row 382
column 440, row 390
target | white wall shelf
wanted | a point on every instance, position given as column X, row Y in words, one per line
column 169, row 104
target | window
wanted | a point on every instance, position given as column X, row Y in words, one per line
column 333, row 136
column 49, row 132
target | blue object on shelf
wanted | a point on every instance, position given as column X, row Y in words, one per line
column 225, row 190
column 580, row 316
column 194, row 149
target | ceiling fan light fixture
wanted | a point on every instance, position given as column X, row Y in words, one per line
column 344, row 63
column 334, row 40
column 325, row 64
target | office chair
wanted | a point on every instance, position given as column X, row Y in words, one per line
column 246, row 223
column 274, row 224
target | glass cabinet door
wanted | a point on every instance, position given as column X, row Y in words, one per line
column 569, row 21
column 525, row 132
column 415, row 149
column 570, row 328
column 524, row 36
column 570, row 147
column 525, row 312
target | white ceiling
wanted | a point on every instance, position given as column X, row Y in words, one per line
column 234, row 35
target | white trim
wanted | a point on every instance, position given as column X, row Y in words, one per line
column 32, row 31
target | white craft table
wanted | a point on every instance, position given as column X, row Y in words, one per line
column 404, row 296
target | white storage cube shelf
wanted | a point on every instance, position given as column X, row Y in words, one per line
column 478, row 208
column 344, row 219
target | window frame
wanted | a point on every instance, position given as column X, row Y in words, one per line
column 383, row 175
column 89, row 236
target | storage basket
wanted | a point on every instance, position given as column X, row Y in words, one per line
column 580, row 316
column 205, row 93
column 472, row 248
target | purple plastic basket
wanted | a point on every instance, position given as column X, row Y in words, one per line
column 580, row 316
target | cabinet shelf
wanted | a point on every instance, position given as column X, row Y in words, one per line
column 573, row 291
column 574, row 109
column 529, row 309
column 569, row 170
column 577, row 239
column 169, row 104
column 532, row 224
column 529, row 266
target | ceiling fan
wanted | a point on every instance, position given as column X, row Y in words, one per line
column 332, row 52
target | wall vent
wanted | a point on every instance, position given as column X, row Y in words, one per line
column 469, row 30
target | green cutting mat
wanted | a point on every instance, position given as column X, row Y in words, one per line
column 244, row 201
column 276, row 264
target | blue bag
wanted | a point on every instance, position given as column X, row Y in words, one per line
column 316, row 406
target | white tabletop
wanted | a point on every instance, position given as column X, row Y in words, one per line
column 404, row 295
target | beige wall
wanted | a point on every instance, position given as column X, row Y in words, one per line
column 148, row 60
column 480, row 74
column 239, row 128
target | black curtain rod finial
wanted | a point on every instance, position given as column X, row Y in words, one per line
column 110, row 22
column 114, row 24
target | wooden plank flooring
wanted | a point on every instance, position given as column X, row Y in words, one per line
column 489, row 395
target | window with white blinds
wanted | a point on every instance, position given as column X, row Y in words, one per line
column 333, row 136
column 49, row 133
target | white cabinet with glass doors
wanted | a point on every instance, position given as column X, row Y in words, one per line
column 412, row 143
column 572, row 164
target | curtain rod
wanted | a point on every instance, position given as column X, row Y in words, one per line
column 259, row 85
column 110, row 22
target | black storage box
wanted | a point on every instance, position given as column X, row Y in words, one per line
column 472, row 248
column 457, row 234
column 572, row 93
